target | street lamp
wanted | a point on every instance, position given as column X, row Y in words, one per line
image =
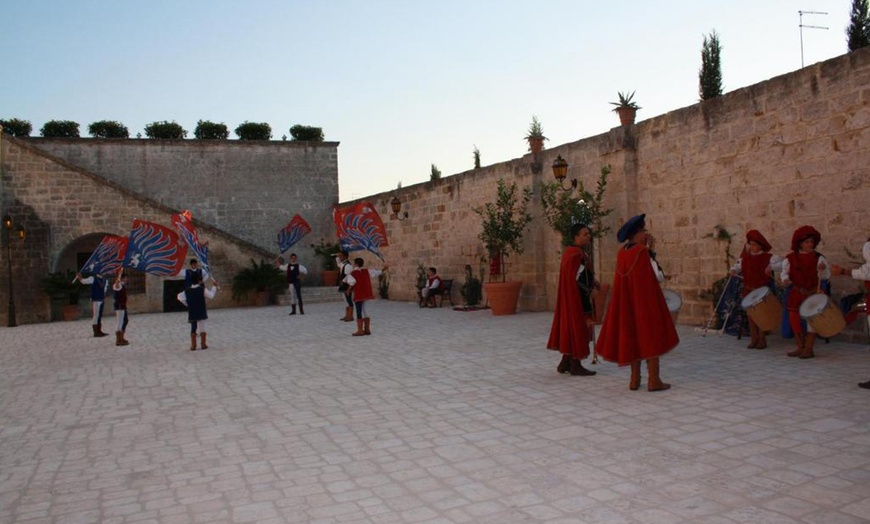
column 560, row 172
column 396, row 206
column 21, row 234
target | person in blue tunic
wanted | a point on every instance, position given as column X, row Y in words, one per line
column 99, row 285
column 197, row 314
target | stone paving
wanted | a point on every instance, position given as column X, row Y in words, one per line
column 438, row 417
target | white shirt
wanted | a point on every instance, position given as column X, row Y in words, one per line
column 209, row 293
column 350, row 281
column 824, row 274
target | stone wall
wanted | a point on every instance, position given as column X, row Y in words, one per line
column 58, row 203
column 790, row 151
column 250, row 189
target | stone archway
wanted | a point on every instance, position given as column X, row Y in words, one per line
column 76, row 253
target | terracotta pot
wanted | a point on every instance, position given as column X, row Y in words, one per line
column 627, row 115
column 329, row 277
column 536, row 145
column 71, row 312
column 503, row 296
column 261, row 298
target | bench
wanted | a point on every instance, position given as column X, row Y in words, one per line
column 444, row 291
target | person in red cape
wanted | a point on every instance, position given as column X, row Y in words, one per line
column 638, row 325
column 572, row 319
column 803, row 270
column 756, row 265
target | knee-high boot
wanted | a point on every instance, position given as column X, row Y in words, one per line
column 292, row 309
column 348, row 314
column 367, row 326
column 98, row 331
column 634, row 382
column 808, row 346
column 202, row 338
column 193, row 341
column 119, row 339
column 655, row 382
column 753, row 335
column 359, row 329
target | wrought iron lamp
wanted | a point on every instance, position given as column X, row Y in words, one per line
column 7, row 236
column 396, row 206
column 560, row 172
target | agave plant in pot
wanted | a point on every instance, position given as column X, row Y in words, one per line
column 504, row 223
column 626, row 108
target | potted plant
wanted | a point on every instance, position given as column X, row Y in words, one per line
column 263, row 279
column 328, row 268
column 535, row 136
column 626, row 108
column 64, row 291
column 504, row 222
column 472, row 289
column 563, row 209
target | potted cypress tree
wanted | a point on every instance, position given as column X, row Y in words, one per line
column 504, row 223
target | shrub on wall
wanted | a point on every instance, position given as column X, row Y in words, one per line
column 206, row 130
column 254, row 131
column 306, row 133
column 165, row 130
column 710, row 74
column 60, row 129
column 16, row 127
column 108, row 129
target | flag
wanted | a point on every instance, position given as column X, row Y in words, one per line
column 107, row 257
column 360, row 227
column 292, row 233
column 183, row 223
column 154, row 249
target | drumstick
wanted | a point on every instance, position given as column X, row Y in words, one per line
column 715, row 309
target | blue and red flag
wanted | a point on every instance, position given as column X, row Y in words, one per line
column 107, row 257
column 183, row 223
column 154, row 249
column 292, row 232
column 360, row 227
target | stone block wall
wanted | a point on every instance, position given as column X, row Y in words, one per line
column 58, row 203
column 250, row 189
column 790, row 151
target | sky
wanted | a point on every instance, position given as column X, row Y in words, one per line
column 401, row 84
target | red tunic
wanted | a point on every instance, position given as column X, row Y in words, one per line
column 362, row 290
column 752, row 267
column 803, row 273
column 569, row 333
column 637, row 325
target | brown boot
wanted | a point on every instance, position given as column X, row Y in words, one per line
column 193, row 341
column 359, row 329
column 98, row 331
column 753, row 335
column 808, row 346
column 799, row 340
column 292, row 309
column 655, row 383
column 634, row 382
column 202, row 338
column 762, row 340
column 367, row 326
column 348, row 314
column 577, row 369
column 565, row 364
column 119, row 339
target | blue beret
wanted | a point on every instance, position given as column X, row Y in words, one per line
column 632, row 226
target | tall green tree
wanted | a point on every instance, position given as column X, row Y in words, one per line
column 858, row 32
column 710, row 75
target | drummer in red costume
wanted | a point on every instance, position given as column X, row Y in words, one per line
column 638, row 325
column 756, row 266
column 860, row 273
column 572, row 319
column 803, row 269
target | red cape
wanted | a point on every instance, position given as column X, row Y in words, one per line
column 569, row 333
column 637, row 325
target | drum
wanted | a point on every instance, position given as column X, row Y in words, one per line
column 763, row 308
column 674, row 303
column 820, row 312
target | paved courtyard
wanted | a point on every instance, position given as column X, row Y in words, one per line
column 438, row 417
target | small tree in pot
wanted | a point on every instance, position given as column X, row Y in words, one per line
column 504, row 223
column 64, row 291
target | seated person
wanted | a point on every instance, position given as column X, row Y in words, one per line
column 433, row 284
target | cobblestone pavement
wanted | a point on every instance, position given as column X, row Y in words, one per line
column 438, row 417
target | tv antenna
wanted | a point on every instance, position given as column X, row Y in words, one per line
column 801, row 25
